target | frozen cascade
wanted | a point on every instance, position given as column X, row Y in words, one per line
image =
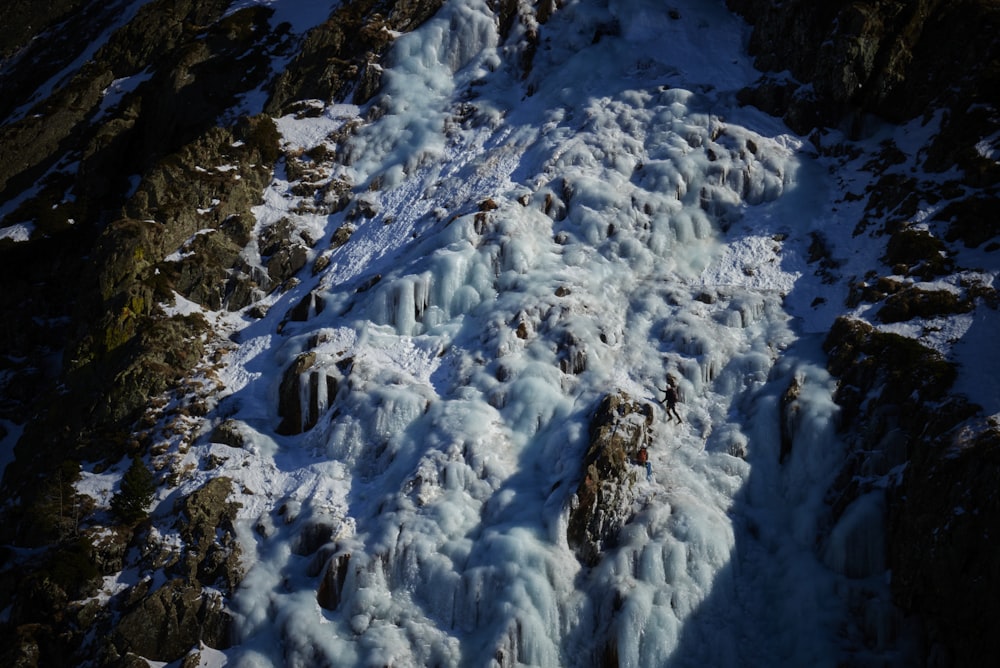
column 455, row 439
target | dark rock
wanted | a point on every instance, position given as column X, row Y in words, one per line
column 889, row 58
column 228, row 433
column 286, row 262
column 789, row 416
column 922, row 254
column 343, row 52
column 108, row 548
column 158, row 354
column 893, row 392
column 296, row 417
column 205, row 521
column 901, row 369
column 165, row 625
column 31, row 646
column 341, row 236
column 40, row 600
column 913, row 302
column 331, row 587
column 973, row 221
column 943, row 544
column 289, row 395
column 312, row 536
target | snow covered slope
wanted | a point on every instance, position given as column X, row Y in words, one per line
column 414, row 407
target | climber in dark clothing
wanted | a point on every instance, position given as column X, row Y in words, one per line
column 670, row 399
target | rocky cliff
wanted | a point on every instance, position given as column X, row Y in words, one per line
column 836, row 65
column 128, row 176
column 108, row 168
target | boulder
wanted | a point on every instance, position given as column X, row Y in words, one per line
column 229, row 432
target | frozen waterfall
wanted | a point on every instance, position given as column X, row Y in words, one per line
column 540, row 239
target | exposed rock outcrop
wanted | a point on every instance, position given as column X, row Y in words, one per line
column 343, row 53
column 165, row 625
column 848, row 57
column 603, row 502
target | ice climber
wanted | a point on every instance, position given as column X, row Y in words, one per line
column 670, row 400
column 643, row 460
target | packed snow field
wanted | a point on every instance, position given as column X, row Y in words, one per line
column 529, row 246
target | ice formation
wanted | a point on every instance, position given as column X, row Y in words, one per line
column 532, row 246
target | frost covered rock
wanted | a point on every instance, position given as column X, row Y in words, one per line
column 618, row 430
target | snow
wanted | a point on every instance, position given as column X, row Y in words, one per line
column 118, row 89
column 101, row 486
column 18, row 232
column 307, row 133
column 301, row 15
column 644, row 224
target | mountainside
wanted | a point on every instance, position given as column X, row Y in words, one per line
column 338, row 333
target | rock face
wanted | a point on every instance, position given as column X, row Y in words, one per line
column 889, row 58
column 205, row 520
column 940, row 515
column 172, row 620
column 838, row 65
column 619, row 429
column 943, row 544
column 138, row 172
column 164, row 624
column 344, row 51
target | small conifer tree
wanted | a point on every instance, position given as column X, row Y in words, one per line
column 137, row 490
